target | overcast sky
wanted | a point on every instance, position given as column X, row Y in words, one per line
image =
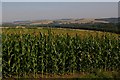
column 16, row 11
column 60, row 0
column 0, row 12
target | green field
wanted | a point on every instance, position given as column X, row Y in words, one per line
column 58, row 53
column 0, row 54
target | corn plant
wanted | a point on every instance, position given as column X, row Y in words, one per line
column 25, row 54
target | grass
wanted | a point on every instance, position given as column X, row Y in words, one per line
column 102, row 74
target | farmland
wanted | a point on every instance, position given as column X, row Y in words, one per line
column 0, row 54
column 46, row 51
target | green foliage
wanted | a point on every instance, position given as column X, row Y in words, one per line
column 25, row 53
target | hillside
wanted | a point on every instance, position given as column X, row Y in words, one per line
column 69, row 21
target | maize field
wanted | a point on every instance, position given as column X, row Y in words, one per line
column 23, row 54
